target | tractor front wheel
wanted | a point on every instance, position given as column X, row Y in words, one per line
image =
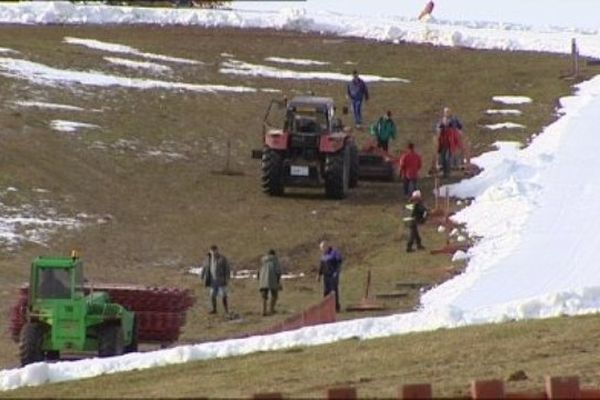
column 30, row 343
column 110, row 341
column 337, row 174
column 272, row 172
column 133, row 346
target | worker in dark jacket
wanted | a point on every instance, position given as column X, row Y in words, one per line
column 269, row 280
column 449, row 131
column 357, row 91
column 215, row 274
column 330, row 268
column 418, row 215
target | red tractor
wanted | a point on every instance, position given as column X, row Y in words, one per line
column 305, row 145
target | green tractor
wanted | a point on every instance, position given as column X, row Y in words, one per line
column 61, row 317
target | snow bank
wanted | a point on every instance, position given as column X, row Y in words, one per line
column 473, row 34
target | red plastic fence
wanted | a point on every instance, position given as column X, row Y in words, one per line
column 160, row 311
column 556, row 388
column 322, row 313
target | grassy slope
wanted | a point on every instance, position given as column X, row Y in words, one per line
column 166, row 214
column 448, row 359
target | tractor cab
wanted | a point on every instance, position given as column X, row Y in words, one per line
column 304, row 144
column 56, row 279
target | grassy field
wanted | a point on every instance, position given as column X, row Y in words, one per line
column 520, row 353
column 163, row 214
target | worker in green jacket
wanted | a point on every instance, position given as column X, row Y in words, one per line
column 269, row 280
column 384, row 130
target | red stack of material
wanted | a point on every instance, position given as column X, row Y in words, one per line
column 160, row 311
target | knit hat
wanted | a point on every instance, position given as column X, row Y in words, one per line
column 416, row 194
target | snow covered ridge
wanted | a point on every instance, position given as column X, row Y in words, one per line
column 147, row 65
column 481, row 35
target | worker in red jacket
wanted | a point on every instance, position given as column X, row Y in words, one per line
column 449, row 141
column 410, row 165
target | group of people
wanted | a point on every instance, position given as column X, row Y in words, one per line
column 216, row 273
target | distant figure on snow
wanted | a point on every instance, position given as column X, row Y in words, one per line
column 426, row 13
column 357, row 91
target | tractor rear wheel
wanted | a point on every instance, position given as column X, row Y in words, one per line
column 30, row 343
column 272, row 172
column 337, row 174
column 110, row 340
column 354, row 167
column 133, row 346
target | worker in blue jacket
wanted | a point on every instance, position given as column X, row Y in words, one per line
column 330, row 268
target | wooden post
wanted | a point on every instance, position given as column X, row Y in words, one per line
column 575, row 56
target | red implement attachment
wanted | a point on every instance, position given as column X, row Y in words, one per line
column 376, row 163
column 160, row 311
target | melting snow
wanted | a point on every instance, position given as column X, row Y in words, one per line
column 70, row 126
column 512, row 99
column 120, row 48
column 504, row 112
column 154, row 67
column 235, row 67
column 41, row 104
column 504, row 125
column 46, row 75
column 296, row 61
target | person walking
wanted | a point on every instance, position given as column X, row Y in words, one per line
column 410, row 165
column 215, row 275
column 418, row 215
column 357, row 91
column 384, row 130
column 269, row 281
column 330, row 268
column 449, row 131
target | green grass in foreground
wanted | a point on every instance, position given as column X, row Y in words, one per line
column 448, row 359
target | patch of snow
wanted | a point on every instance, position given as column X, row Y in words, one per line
column 54, row 106
column 504, row 125
column 235, row 67
column 296, row 61
column 441, row 229
column 46, row 75
column 506, row 111
column 70, row 126
column 460, row 256
column 7, row 50
column 154, row 67
column 123, row 49
column 227, row 55
column 512, row 99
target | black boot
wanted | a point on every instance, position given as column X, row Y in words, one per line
column 214, row 305
column 225, row 305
